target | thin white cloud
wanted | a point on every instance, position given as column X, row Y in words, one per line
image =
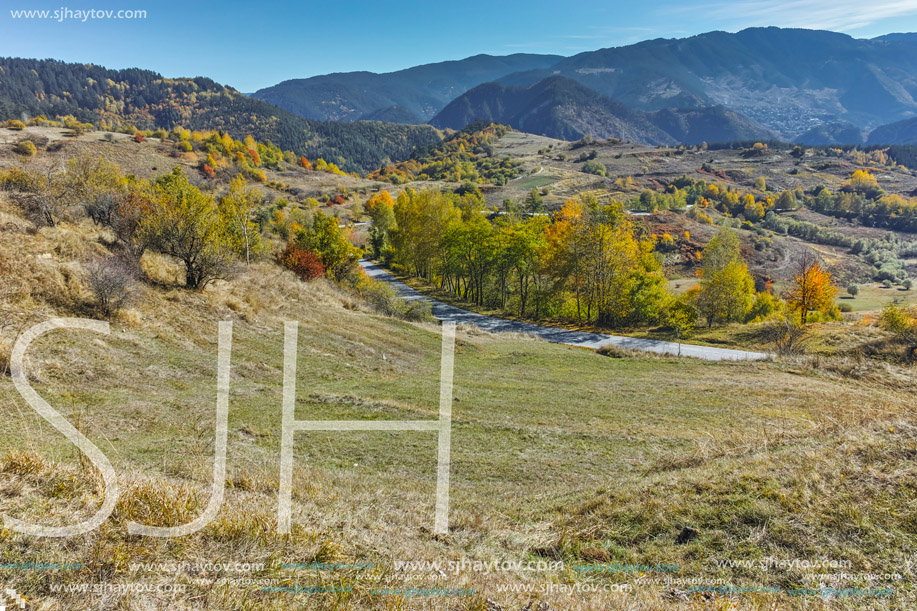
column 837, row 15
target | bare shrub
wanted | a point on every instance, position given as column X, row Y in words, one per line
column 39, row 194
column 5, row 351
column 385, row 300
column 615, row 352
column 111, row 281
column 787, row 337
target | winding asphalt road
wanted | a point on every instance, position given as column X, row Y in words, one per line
column 556, row 335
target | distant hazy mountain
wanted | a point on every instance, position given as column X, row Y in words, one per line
column 709, row 124
column 555, row 107
column 393, row 114
column 900, row 132
column 832, row 133
column 782, row 78
column 562, row 108
column 421, row 91
column 146, row 100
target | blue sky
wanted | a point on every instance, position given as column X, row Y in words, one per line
column 249, row 45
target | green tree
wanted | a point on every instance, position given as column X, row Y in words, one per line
column 681, row 317
column 381, row 210
column 421, row 219
column 523, row 245
column 787, row 201
column 726, row 288
column 469, row 250
column 184, row 223
column 595, row 167
column 534, row 202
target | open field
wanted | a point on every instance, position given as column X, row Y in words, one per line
column 749, row 455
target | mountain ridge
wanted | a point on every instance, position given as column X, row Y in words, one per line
column 788, row 80
column 145, row 99
column 421, row 90
column 561, row 108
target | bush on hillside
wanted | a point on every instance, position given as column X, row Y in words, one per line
column 595, row 167
column 110, row 281
column 304, row 263
column 26, row 148
column 383, row 298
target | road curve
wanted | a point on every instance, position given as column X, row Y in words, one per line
column 556, row 335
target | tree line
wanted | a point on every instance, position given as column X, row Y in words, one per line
column 588, row 263
column 145, row 100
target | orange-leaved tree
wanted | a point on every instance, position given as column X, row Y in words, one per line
column 812, row 289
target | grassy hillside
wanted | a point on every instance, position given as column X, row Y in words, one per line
column 784, row 460
column 632, row 482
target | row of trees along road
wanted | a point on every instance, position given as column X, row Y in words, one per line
column 589, row 263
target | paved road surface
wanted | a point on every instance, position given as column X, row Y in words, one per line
column 557, row 335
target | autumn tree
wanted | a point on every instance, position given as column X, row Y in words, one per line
column 615, row 277
column 752, row 210
column 726, row 288
column 566, row 250
column 681, row 317
column 330, row 243
column 381, row 209
column 185, row 223
column 236, row 209
column 812, row 289
column 421, row 219
column 304, row 263
column 901, row 322
column 864, row 183
column 26, row 148
column 95, row 184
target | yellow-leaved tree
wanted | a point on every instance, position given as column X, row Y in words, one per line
column 184, row 223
